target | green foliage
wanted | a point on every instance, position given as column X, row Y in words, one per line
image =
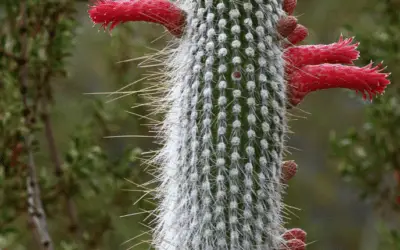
column 369, row 156
column 82, row 183
column 390, row 238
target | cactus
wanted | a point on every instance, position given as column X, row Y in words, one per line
column 224, row 133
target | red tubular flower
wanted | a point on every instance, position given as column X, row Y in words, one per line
column 156, row 11
column 314, row 67
column 367, row 80
column 340, row 52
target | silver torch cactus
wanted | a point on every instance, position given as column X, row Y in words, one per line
column 233, row 75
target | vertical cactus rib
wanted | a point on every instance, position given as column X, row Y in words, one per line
column 195, row 237
column 270, row 85
column 221, row 149
column 179, row 199
column 235, row 61
column 249, row 85
column 206, row 135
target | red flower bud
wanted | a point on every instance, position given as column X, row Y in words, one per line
column 295, row 233
column 299, row 34
column 294, row 244
column 289, row 6
column 289, row 169
column 286, row 25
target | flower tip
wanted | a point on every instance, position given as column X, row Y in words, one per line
column 348, row 40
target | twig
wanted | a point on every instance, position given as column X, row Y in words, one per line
column 44, row 86
column 71, row 208
column 18, row 59
column 35, row 208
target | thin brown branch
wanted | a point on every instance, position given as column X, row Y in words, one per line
column 71, row 208
column 46, row 96
column 17, row 59
column 104, row 225
column 35, row 207
column 50, row 140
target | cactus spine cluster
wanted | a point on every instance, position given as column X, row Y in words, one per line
column 221, row 186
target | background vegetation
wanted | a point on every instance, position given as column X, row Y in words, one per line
column 348, row 150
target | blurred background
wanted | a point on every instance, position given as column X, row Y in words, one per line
column 345, row 195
